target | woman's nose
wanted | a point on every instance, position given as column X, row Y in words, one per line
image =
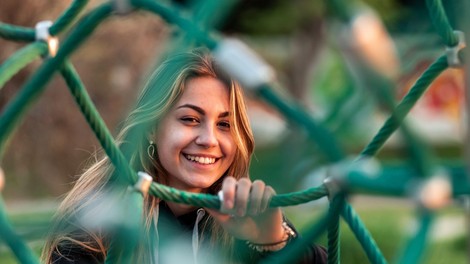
column 207, row 137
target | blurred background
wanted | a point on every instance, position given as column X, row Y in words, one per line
column 321, row 57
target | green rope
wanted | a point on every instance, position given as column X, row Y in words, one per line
column 421, row 156
column 22, row 252
column 334, row 235
column 415, row 248
column 67, row 17
column 96, row 123
column 211, row 201
column 322, row 137
column 402, row 109
column 293, row 252
column 20, row 59
column 25, row 34
column 210, row 12
column 394, row 184
column 362, row 235
column 16, row 109
column 441, row 23
column 17, row 33
column 300, row 197
column 172, row 17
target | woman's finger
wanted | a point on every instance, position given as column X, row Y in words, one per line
column 267, row 196
column 228, row 193
column 256, row 195
column 242, row 195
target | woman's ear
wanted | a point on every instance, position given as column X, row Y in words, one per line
column 152, row 136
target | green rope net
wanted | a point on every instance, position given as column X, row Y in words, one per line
column 353, row 176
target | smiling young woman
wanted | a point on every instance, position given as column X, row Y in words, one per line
column 190, row 131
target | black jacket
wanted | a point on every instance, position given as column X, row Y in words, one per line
column 180, row 231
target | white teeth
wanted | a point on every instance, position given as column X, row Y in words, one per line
column 202, row 160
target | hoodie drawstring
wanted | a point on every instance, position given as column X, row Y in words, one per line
column 157, row 238
column 200, row 215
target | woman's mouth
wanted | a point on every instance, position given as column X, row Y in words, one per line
column 201, row 160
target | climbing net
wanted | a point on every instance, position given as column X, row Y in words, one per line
column 359, row 175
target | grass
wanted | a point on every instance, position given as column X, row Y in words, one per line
column 32, row 227
column 391, row 226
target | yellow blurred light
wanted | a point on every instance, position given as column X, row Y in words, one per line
column 2, row 179
column 436, row 193
column 373, row 42
column 53, row 44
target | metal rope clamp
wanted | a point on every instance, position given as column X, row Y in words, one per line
column 238, row 60
column 333, row 186
column 143, row 183
column 42, row 34
column 122, row 7
column 453, row 52
column 338, row 174
column 334, row 181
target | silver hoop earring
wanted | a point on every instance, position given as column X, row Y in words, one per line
column 151, row 150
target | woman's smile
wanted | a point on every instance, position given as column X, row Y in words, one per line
column 200, row 159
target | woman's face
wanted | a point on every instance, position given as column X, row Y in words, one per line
column 193, row 140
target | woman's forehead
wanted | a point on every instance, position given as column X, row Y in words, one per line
column 205, row 92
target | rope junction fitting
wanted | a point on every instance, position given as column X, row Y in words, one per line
column 453, row 52
column 237, row 59
column 143, row 183
column 42, row 34
column 122, row 7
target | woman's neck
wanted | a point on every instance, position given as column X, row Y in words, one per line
column 179, row 209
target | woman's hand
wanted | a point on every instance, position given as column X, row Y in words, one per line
column 245, row 211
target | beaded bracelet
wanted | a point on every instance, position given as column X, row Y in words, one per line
column 288, row 235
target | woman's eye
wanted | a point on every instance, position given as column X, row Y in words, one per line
column 224, row 124
column 189, row 120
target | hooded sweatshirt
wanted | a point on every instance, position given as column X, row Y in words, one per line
column 184, row 239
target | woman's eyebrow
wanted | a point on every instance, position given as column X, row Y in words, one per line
column 200, row 110
column 195, row 108
column 224, row 114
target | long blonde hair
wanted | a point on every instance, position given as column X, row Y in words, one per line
column 161, row 92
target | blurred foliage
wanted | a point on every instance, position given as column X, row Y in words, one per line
column 273, row 17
